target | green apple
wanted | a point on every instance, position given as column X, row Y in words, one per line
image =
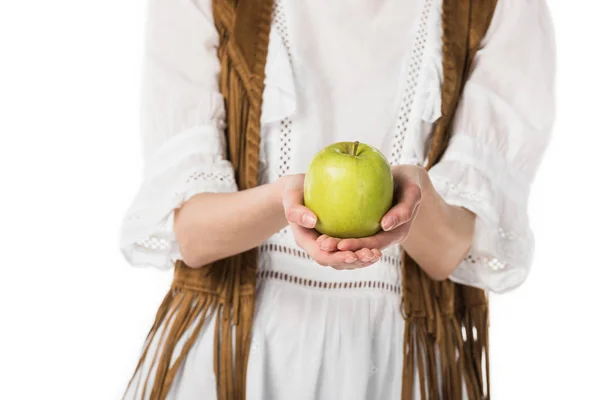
column 349, row 186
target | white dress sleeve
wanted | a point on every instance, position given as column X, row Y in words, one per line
column 500, row 132
column 182, row 127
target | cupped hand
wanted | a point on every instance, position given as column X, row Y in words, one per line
column 321, row 248
column 396, row 223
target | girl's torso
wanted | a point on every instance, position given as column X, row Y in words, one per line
column 336, row 71
column 340, row 71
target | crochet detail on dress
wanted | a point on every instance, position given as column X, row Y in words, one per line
column 210, row 176
column 155, row 244
column 414, row 73
column 285, row 136
column 270, row 274
column 373, row 284
column 281, row 25
column 506, row 237
column 285, row 139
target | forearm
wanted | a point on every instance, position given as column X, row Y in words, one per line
column 441, row 234
column 212, row 226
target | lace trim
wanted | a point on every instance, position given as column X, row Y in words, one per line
column 414, row 72
column 196, row 182
column 270, row 274
column 285, row 136
column 273, row 247
column 494, row 263
column 154, row 244
column 285, row 139
column 281, row 25
column 210, row 176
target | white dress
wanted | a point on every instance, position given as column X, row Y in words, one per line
column 342, row 71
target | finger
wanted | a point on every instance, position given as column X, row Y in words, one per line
column 330, row 244
column 304, row 237
column 300, row 215
column 377, row 242
column 365, row 255
column 336, row 259
column 370, row 242
column 351, row 262
column 359, row 264
column 307, row 239
column 404, row 210
column 295, row 211
column 398, row 235
column 321, row 238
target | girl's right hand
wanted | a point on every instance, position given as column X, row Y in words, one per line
column 321, row 248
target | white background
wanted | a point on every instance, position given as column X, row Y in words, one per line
column 73, row 315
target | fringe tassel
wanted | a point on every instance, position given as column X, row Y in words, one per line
column 459, row 363
column 185, row 311
column 445, row 338
column 476, row 365
column 224, row 290
column 179, row 311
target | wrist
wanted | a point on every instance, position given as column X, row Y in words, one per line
column 461, row 224
column 456, row 224
column 458, row 227
column 279, row 188
column 441, row 234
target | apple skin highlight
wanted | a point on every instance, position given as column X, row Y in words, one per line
column 350, row 187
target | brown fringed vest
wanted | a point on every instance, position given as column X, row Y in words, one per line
column 437, row 314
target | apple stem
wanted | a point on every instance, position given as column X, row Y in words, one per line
column 355, row 148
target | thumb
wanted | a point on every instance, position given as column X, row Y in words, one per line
column 295, row 211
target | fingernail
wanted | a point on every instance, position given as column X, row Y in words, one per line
column 324, row 247
column 308, row 220
column 389, row 223
column 351, row 260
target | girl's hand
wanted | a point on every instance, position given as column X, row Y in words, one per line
column 396, row 223
column 320, row 248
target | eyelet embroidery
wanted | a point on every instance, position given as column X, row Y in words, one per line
column 285, row 139
column 285, row 129
column 414, row 73
column 494, row 263
column 210, row 176
column 153, row 243
column 281, row 276
column 281, row 25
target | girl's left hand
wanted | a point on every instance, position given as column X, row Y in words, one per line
column 396, row 223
